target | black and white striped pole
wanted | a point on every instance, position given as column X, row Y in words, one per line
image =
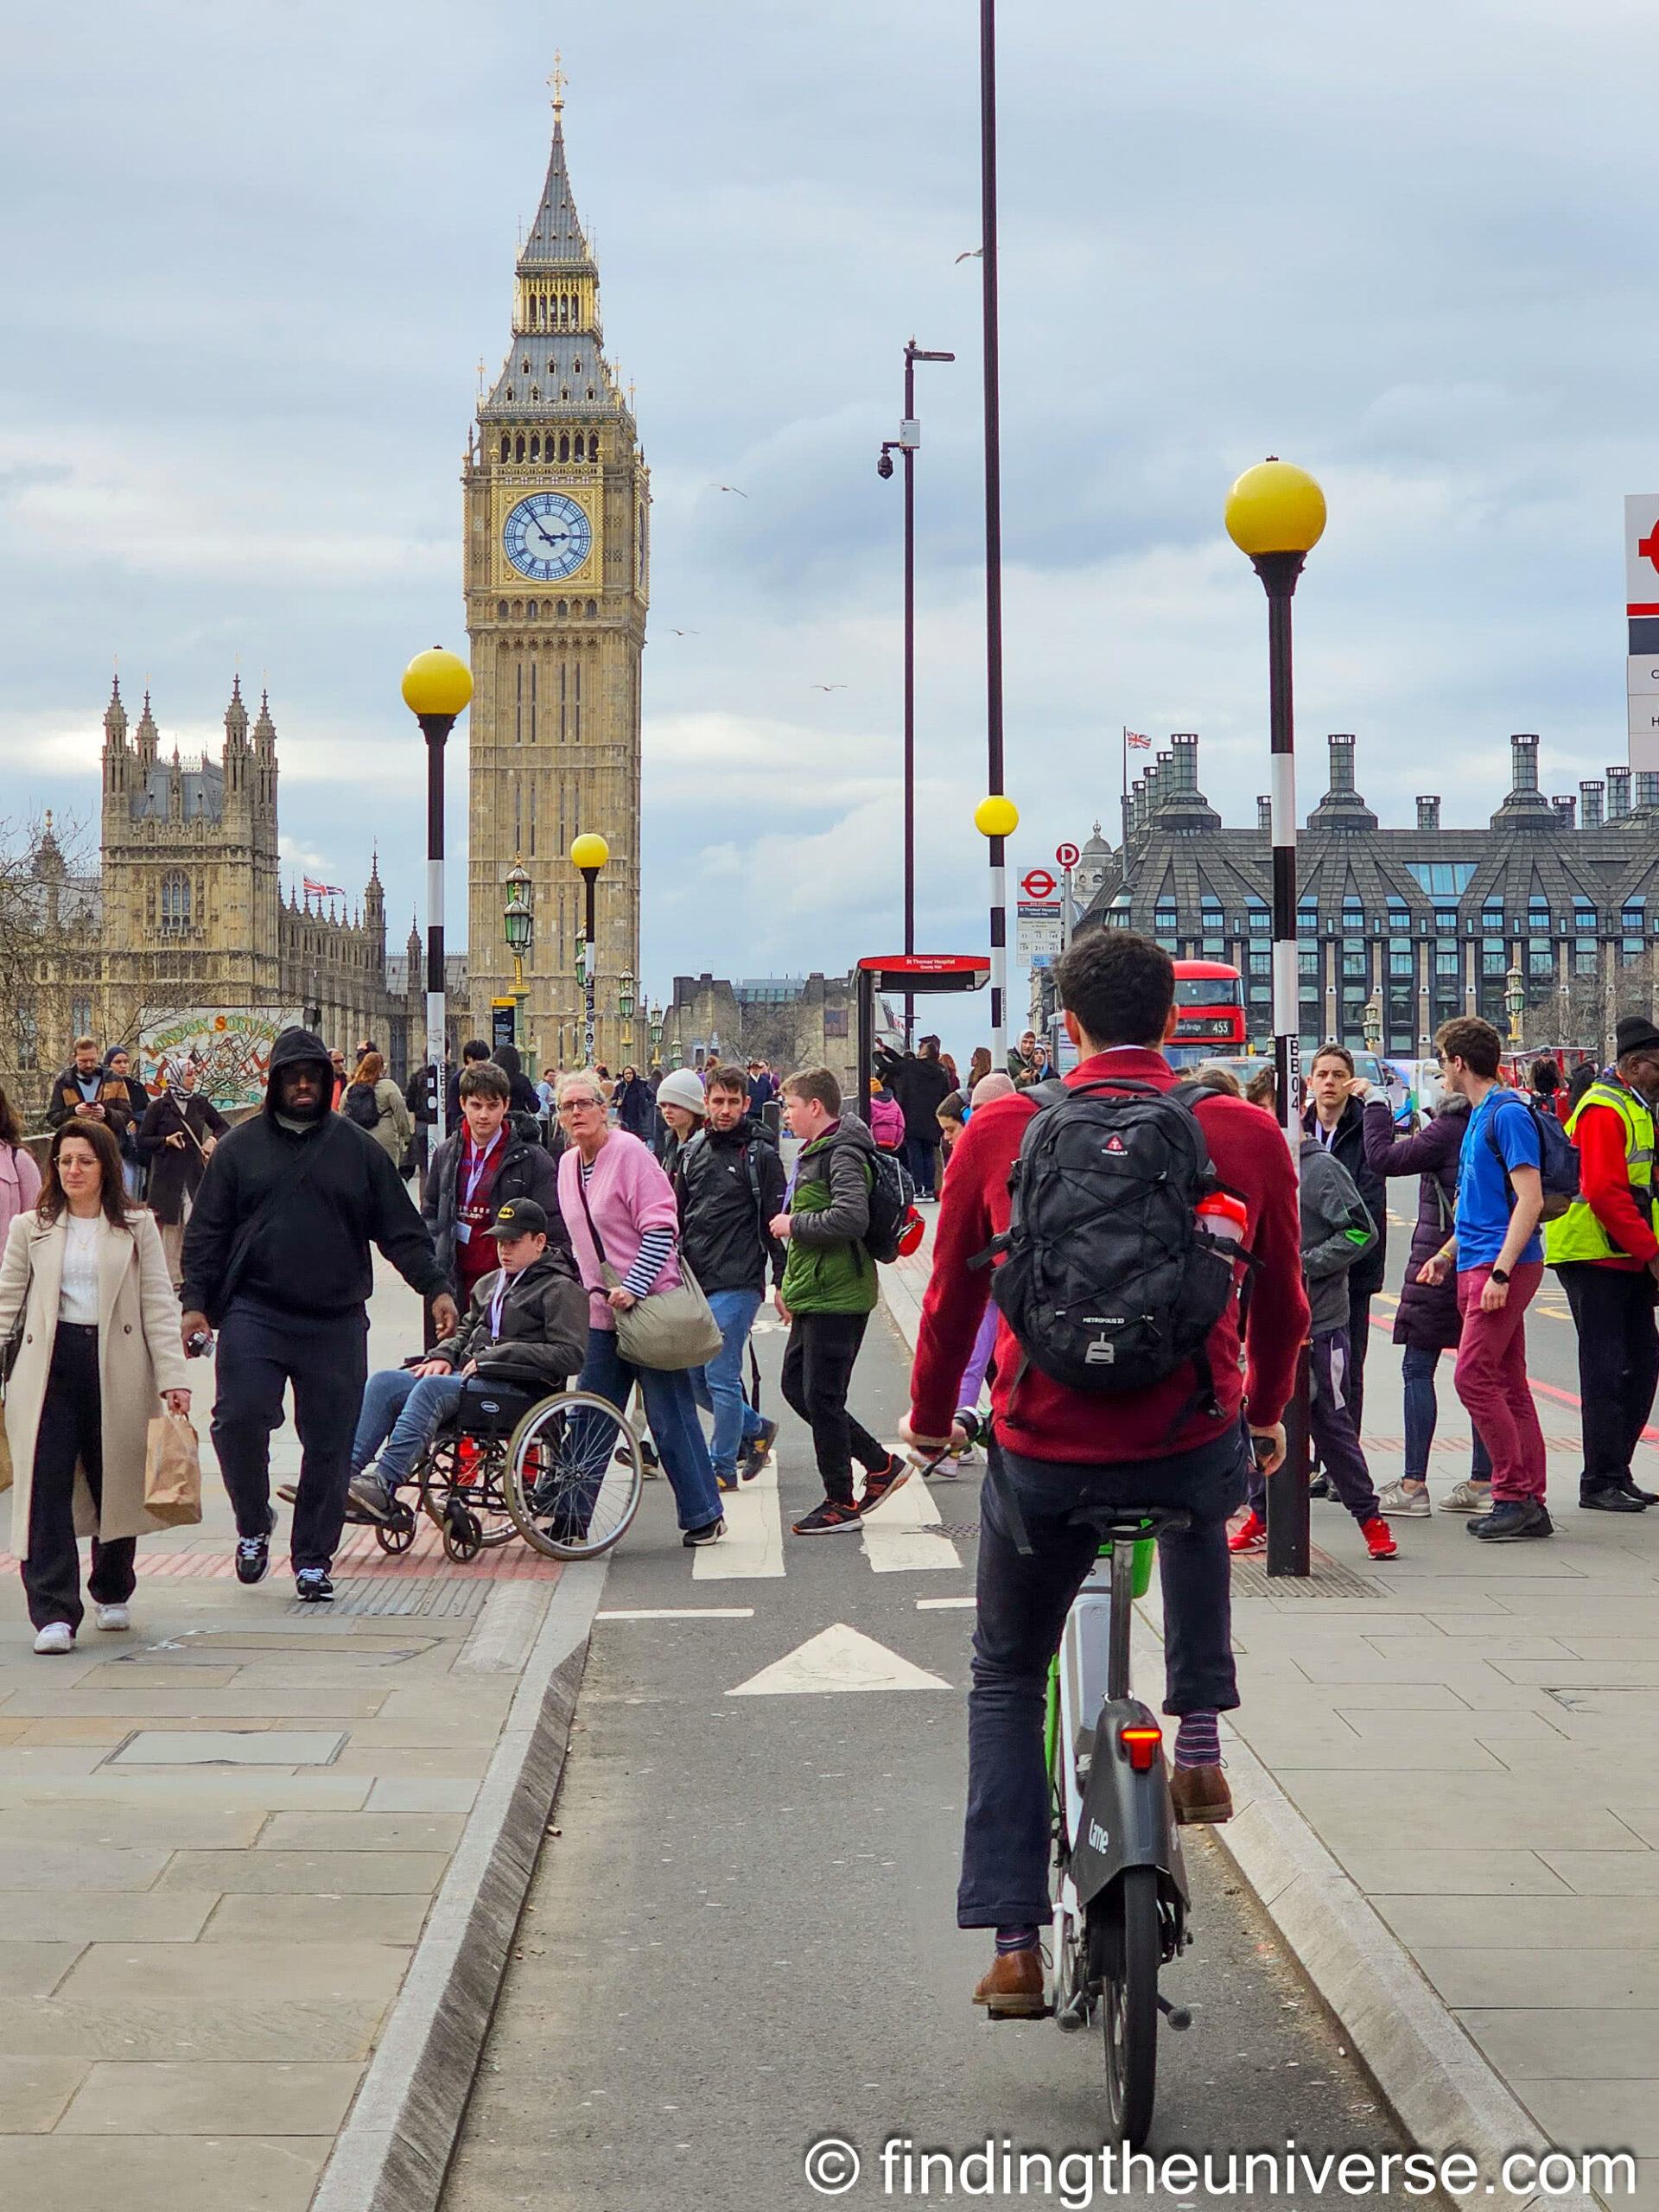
column 1275, row 513
column 437, row 687
column 996, row 817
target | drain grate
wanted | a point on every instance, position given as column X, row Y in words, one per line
column 432, row 1597
column 1329, row 1578
column 968, row 1531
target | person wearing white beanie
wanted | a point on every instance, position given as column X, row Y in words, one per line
column 682, row 1105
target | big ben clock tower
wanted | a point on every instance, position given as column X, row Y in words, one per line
column 556, row 499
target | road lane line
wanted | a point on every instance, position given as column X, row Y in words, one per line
column 945, row 1605
column 754, row 1544
column 899, row 1538
column 678, row 1613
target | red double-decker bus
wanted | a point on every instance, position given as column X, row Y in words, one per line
column 1209, row 1012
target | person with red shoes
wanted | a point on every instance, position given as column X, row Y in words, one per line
column 1179, row 1442
column 1338, row 1232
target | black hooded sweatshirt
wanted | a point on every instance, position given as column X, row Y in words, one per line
column 307, row 1255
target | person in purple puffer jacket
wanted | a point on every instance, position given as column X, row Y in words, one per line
column 1427, row 1322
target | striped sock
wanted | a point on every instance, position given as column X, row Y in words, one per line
column 1016, row 1939
column 1197, row 1740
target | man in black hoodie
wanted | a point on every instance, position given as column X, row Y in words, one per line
column 1335, row 1116
column 277, row 1258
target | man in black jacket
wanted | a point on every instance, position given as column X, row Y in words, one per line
column 1336, row 1117
column 918, row 1081
column 729, row 1181
column 276, row 1257
column 527, row 1322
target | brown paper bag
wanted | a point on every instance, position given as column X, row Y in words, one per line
column 172, row 1472
column 5, row 1451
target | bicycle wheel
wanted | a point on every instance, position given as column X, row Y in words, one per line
column 573, row 1477
column 1131, row 2008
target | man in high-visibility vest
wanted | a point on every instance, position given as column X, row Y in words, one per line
column 1606, row 1254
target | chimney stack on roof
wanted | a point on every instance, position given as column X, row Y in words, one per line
column 1342, row 762
column 1618, row 793
column 1523, row 753
column 1589, row 795
column 1566, row 809
column 1428, row 810
column 1264, row 814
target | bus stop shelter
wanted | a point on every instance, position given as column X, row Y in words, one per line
column 910, row 975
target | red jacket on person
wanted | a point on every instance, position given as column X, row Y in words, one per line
column 1042, row 1419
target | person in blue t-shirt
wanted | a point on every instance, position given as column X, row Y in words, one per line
column 1500, row 1262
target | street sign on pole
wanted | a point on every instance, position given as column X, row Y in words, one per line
column 1038, row 883
column 1067, row 856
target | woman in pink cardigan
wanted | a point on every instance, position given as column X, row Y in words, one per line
column 609, row 1182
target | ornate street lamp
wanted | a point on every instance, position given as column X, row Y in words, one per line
column 1276, row 514
column 1371, row 1022
column 437, row 688
column 625, row 1006
column 589, row 854
column 1515, row 1001
column 654, row 1025
column 518, row 927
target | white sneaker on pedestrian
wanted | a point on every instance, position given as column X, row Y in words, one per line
column 1402, row 1504
column 54, row 1639
column 1467, row 1497
column 114, row 1620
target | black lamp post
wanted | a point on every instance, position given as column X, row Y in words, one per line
column 908, row 440
column 1275, row 513
column 437, row 688
column 589, row 854
column 995, row 841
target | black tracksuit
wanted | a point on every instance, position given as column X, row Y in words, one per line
column 290, row 1296
column 724, row 1209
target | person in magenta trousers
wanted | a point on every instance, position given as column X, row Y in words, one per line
column 609, row 1184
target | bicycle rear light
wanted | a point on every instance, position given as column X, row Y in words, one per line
column 1141, row 1744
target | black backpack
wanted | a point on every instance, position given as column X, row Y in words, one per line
column 1107, row 1278
column 362, row 1106
column 892, row 1202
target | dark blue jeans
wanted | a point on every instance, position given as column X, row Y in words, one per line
column 672, row 1412
column 1022, row 1605
column 1417, row 1368
column 920, row 1157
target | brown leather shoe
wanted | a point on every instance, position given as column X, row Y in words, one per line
column 1201, row 1795
column 1012, row 1990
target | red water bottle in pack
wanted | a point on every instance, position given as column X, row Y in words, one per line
column 1225, row 1218
column 467, row 1459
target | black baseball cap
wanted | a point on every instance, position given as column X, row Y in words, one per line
column 518, row 1218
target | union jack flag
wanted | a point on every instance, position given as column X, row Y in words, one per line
column 1138, row 743
column 316, row 890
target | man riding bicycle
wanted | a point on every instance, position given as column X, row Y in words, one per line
column 1178, row 1444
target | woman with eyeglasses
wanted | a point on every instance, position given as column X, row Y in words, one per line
column 613, row 1195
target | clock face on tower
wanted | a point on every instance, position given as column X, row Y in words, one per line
column 546, row 537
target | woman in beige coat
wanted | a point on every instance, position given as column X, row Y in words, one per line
column 99, row 1322
column 393, row 1127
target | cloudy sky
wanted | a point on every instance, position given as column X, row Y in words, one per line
column 251, row 257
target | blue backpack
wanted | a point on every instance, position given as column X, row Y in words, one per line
column 1557, row 1160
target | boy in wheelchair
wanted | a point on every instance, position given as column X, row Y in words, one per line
column 527, row 1324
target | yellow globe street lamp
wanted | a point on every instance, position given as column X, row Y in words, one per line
column 996, row 818
column 1276, row 514
column 588, row 853
column 437, row 688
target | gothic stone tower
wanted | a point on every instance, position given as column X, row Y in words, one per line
column 556, row 500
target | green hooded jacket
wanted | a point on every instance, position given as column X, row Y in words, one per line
column 828, row 1269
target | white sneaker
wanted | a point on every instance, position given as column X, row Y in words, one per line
column 114, row 1620
column 1468, row 1497
column 54, row 1639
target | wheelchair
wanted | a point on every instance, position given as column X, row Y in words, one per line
column 562, row 1471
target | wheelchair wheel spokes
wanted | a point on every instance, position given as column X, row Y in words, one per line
column 464, row 1494
column 573, row 1477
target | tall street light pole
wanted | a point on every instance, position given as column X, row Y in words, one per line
column 437, row 688
column 1275, row 513
column 995, row 842
column 908, row 440
column 589, row 854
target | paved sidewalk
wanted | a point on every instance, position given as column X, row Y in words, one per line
column 1468, row 1733
column 221, row 1840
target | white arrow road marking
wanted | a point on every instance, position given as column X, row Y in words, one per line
column 753, row 1542
column 838, row 1658
column 897, row 1537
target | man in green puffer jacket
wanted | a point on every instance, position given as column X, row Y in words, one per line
column 828, row 1292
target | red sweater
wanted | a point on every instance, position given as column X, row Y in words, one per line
column 1605, row 1181
column 1044, row 1419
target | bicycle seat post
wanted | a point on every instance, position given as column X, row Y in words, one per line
column 1117, row 1655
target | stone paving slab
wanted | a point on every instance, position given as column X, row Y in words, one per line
column 221, row 1840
